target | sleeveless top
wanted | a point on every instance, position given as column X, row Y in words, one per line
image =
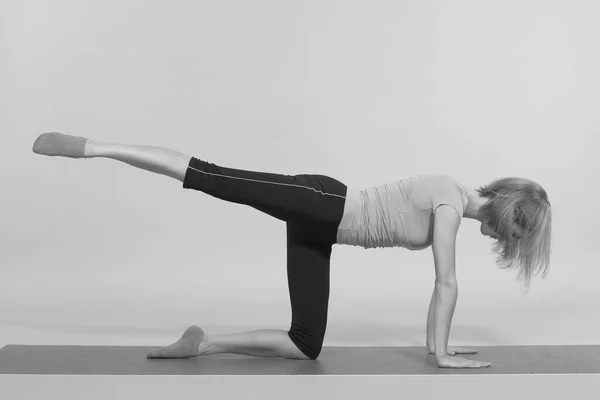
column 398, row 214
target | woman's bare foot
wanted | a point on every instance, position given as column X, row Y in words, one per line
column 187, row 346
column 58, row 144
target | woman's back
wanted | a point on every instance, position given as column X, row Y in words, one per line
column 400, row 213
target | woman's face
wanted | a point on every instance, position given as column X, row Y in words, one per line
column 488, row 228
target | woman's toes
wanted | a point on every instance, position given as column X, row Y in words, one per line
column 155, row 354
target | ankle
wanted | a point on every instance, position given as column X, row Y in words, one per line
column 206, row 347
column 91, row 149
column 87, row 152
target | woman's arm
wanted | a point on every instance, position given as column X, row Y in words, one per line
column 445, row 303
column 431, row 323
column 446, row 224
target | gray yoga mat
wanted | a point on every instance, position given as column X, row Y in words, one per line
column 131, row 360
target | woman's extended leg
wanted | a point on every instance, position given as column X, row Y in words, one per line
column 296, row 198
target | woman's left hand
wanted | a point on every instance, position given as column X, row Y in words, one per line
column 458, row 350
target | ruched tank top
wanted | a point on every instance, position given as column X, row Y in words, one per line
column 398, row 214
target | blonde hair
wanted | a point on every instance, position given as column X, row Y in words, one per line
column 525, row 203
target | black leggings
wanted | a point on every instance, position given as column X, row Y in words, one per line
column 312, row 207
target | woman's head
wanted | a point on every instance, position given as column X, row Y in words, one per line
column 517, row 212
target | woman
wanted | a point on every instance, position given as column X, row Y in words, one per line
column 320, row 211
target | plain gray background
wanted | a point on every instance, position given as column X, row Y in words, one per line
column 97, row 252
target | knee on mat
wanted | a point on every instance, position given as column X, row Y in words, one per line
column 312, row 353
column 308, row 344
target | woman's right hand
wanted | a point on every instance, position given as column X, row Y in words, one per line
column 458, row 362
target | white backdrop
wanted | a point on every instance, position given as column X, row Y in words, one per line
column 97, row 252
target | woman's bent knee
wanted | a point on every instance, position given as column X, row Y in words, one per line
column 305, row 351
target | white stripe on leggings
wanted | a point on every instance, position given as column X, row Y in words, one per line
column 273, row 183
